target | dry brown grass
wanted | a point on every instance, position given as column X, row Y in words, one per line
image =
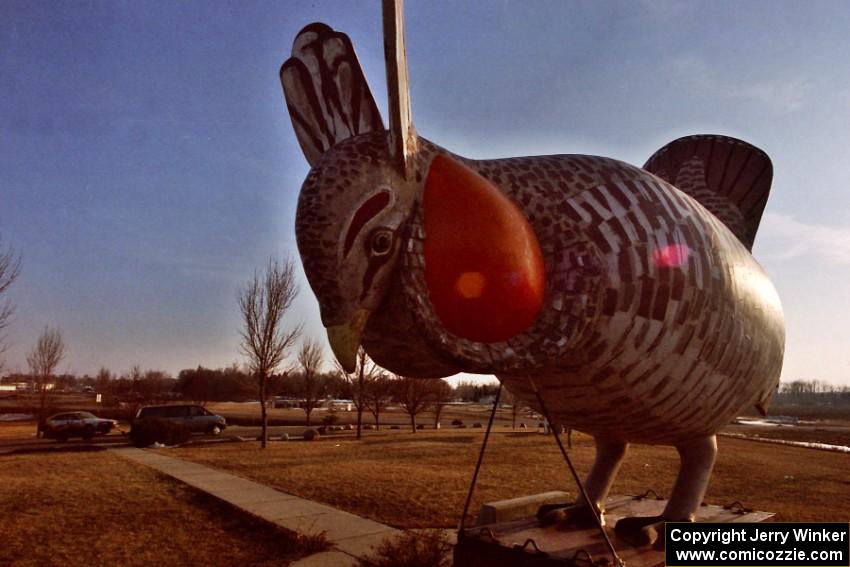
column 95, row 508
column 17, row 429
column 77, row 401
column 421, row 480
column 829, row 434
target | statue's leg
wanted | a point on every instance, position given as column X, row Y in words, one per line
column 609, row 455
column 697, row 461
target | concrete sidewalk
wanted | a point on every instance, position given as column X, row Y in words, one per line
column 351, row 536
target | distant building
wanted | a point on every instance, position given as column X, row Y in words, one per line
column 19, row 387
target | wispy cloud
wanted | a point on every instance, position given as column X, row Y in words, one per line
column 782, row 237
column 781, row 95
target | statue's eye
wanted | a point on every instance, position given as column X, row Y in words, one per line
column 366, row 212
column 381, row 242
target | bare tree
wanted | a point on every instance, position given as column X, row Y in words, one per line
column 135, row 375
column 263, row 303
column 156, row 385
column 43, row 359
column 310, row 359
column 378, row 394
column 442, row 393
column 10, row 267
column 364, row 372
column 516, row 405
column 414, row 395
column 104, row 376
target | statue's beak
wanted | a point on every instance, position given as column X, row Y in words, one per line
column 345, row 339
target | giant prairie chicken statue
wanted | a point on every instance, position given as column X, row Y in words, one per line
column 626, row 296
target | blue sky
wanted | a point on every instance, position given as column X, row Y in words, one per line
column 147, row 163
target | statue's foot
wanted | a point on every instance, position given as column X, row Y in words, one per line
column 566, row 516
column 641, row 531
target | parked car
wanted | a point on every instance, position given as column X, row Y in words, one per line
column 75, row 424
column 282, row 402
column 195, row 418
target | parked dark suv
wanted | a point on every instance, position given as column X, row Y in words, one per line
column 75, row 424
column 195, row 418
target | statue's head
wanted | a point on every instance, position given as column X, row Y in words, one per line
column 349, row 227
column 359, row 192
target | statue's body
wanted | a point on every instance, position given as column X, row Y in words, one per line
column 628, row 297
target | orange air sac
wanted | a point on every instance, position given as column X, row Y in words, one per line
column 483, row 264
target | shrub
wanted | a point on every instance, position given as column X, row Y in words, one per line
column 311, row 435
column 330, row 419
column 312, row 543
column 146, row 432
column 424, row 549
column 477, row 425
column 457, row 421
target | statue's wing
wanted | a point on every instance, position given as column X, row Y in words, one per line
column 729, row 177
column 326, row 93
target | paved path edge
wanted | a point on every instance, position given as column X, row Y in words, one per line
column 351, row 537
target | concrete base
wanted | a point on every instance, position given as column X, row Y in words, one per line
column 524, row 543
column 517, row 508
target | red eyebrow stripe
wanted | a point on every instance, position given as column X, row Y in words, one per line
column 373, row 205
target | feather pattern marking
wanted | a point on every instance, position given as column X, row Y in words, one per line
column 729, row 177
column 326, row 92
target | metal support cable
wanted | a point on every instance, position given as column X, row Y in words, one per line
column 617, row 560
column 480, row 460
